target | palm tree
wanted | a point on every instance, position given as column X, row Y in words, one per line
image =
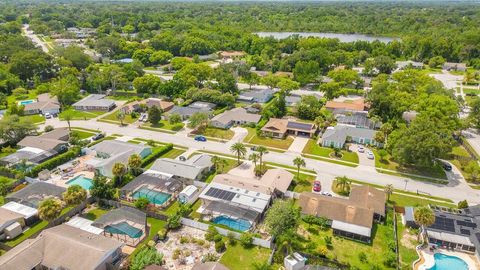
column 343, row 183
column 67, row 115
column 239, row 149
column 49, row 209
column 261, row 151
column 135, row 163
column 254, row 158
column 424, row 217
column 216, row 162
column 120, row 116
column 388, row 190
column 299, row 162
column 119, row 170
column 74, row 195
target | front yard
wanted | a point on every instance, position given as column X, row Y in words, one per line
column 253, row 138
column 79, row 115
column 112, row 117
column 224, row 134
column 163, row 124
column 34, row 118
column 313, row 148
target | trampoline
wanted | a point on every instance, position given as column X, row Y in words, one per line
column 124, row 228
column 156, row 197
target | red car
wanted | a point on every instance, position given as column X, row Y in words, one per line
column 317, row 187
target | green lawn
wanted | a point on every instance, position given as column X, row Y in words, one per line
column 304, row 184
column 389, row 164
column 79, row 115
column 170, row 154
column 347, row 251
column 34, row 118
column 252, row 138
column 471, row 91
column 225, row 134
column 407, row 240
column 459, row 152
column 155, row 226
column 94, row 214
column 164, row 124
column 82, row 134
column 229, row 164
column 113, row 117
column 13, row 99
column 237, row 257
column 313, row 148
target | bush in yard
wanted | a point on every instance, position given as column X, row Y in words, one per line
column 322, row 251
column 142, row 203
column 390, row 260
column 210, row 257
column 162, row 234
column 177, row 126
column 220, row 247
column 231, row 238
column 328, row 241
column 463, row 204
column 48, row 128
column 75, row 194
column 246, row 239
column 217, row 238
column 362, row 257
column 211, row 232
column 146, row 256
column 173, row 222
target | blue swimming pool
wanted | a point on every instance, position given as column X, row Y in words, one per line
column 445, row 262
column 82, row 181
column 124, row 228
column 25, row 102
column 153, row 196
column 236, row 224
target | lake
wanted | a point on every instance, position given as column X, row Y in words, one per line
column 341, row 37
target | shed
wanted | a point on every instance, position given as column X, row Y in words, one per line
column 408, row 218
column 294, row 261
column 187, row 193
column 14, row 230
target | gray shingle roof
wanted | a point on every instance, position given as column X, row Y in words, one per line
column 34, row 193
column 123, row 213
column 94, row 100
column 157, row 180
column 189, row 169
column 339, row 133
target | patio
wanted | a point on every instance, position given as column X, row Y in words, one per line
column 66, row 172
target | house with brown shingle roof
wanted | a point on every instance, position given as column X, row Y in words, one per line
column 279, row 128
column 351, row 218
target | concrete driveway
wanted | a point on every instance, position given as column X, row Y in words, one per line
column 244, row 170
column 362, row 157
column 240, row 134
column 298, row 144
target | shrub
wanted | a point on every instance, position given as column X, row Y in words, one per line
column 231, row 238
column 151, row 243
column 322, row 251
column 184, row 240
column 210, row 257
column 173, row 222
column 177, row 126
column 211, row 232
column 390, row 260
column 141, row 203
column 217, row 238
column 220, row 246
column 362, row 257
column 462, row 204
column 246, row 239
column 156, row 154
column 162, row 233
column 48, row 128
column 56, row 161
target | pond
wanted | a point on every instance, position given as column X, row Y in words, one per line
column 341, row 37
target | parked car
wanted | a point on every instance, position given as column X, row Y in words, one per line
column 182, row 158
column 317, row 186
column 145, row 117
column 370, row 155
column 326, row 193
column 98, row 136
column 254, row 148
column 361, row 149
column 446, row 166
column 48, row 115
column 200, row 138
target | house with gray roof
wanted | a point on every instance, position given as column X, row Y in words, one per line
column 338, row 135
column 292, row 100
column 256, row 96
column 401, row 65
column 94, row 102
column 34, row 193
column 193, row 169
column 236, row 116
column 108, row 152
column 454, row 66
column 196, row 107
column 44, row 104
column 358, row 119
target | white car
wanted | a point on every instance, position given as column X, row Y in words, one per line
column 361, row 149
column 370, row 155
column 48, row 115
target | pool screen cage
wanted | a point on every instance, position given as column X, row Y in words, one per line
column 150, row 194
column 232, row 211
column 117, row 231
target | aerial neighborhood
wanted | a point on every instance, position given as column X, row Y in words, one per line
column 239, row 135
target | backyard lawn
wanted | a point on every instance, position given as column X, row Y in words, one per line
column 252, row 138
column 155, row 226
column 94, row 214
column 225, row 134
column 389, row 164
column 313, row 148
column 407, row 241
column 79, row 115
column 237, row 257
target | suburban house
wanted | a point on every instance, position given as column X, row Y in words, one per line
column 340, row 134
column 256, row 96
column 351, row 218
column 458, row 229
column 94, row 102
column 37, row 149
column 280, row 128
column 341, row 106
column 454, row 66
column 139, row 106
column 44, row 104
column 83, row 32
column 401, row 65
column 34, row 193
column 64, row 247
column 242, row 198
column 305, row 92
column 159, row 189
column 165, row 106
column 237, row 116
column 131, row 107
column 193, row 169
column 357, row 119
column 108, row 152
column 198, row 106
column 125, row 224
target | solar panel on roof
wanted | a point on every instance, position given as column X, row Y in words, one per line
column 297, row 125
column 466, row 224
column 444, row 224
column 477, row 235
column 465, row 232
column 220, row 194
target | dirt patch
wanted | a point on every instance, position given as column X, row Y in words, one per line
column 408, row 240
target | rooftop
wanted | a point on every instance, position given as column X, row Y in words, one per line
column 158, row 181
column 123, row 213
column 34, row 193
column 237, row 114
column 356, row 105
column 94, row 100
column 189, row 169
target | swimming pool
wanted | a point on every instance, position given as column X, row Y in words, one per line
column 236, row 224
column 124, row 228
column 153, row 196
column 445, row 262
column 82, row 181
column 25, row 102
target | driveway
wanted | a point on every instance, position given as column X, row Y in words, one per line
column 448, row 80
column 244, row 170
column 473, row 138
column 298, row 144
column 240, row 134
column 362, row 157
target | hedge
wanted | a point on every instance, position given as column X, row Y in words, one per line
column 10, row 172
column 56, row 161
column 156, row 154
